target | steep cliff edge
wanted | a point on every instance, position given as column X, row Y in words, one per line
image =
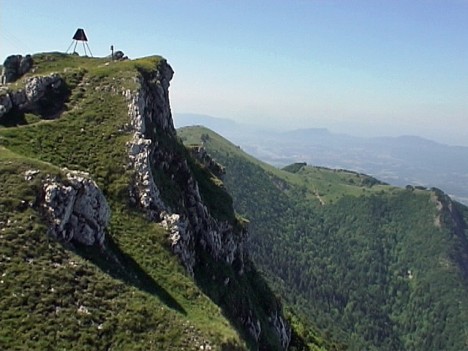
column 143, row 197
column 172, row 187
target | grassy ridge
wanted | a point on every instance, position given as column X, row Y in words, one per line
column 134, row 295
column 148, row 304
column 366, row 262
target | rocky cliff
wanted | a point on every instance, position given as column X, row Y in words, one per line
column 37, row 93
column 153, row 148
column 113, row 126
column 194, row 230
column 76, row 209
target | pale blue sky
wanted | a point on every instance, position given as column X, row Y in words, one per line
column 362, row 67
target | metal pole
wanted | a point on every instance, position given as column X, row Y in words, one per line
column 89, row 49
column 70, row 46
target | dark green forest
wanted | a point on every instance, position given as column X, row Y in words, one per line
column 374, row 266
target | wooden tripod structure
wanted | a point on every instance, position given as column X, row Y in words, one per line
column 80, row 36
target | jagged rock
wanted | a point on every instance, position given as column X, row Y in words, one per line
column 5, row 103
column 16, row 66
column 199, row 153
column 189, row 223
column 120, row 56
column 76, row 208
column 179, row 237
column 18, row 98
column 146, row 192
column 25, row 65
column 30, row 174
column 25, row 100
column 36, row 87
column 283, row 330
column 253, row 326
column 149, row 111
column 11, row 67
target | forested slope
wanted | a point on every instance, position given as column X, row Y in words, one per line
column 381, row 268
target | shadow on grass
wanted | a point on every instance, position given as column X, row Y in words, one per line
column 113, row 261
column 235, row 300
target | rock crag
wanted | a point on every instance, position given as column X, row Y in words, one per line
column 37, row 90
column 160, row 163
column 15, row 66
column 190, row 223
column 179, row 188
column 76, row 208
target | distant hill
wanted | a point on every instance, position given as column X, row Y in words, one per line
column 380, row 267
column 185, row 119
column 397, row 160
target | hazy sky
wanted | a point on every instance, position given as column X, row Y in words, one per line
column 361, row 67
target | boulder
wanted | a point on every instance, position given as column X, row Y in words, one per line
column 120, row 56
column 36, row 87
column 35, row 91
column 16, row 66
column 5, row 103
column 77, row 209
column 25, row 65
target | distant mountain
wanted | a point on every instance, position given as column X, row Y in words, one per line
column 307, row 133
column 397, row 160
column 185, row 119
column 380, row 267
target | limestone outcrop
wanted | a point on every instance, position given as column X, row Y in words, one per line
column 76, row 209
column 199, row 152
column 190, row 223
column 282, row 328
column 36, row 87
column 26, row 100
column 15, row 66
column 165, row 187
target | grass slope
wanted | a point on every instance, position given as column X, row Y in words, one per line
column 134, row 295
column 371, row 264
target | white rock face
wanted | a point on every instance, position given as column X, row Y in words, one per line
column 282, row 329
column 193, row 227
column 35, row 89
column 77, row 209
column 37, row 86
column 179, row 235
column 150, row 114
column 146, row 190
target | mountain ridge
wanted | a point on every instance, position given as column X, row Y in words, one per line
column 401, row 161
column 168, row 266
column 379, row 267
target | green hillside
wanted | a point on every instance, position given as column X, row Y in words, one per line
column 58, row 296
column 379, row 267
column 134, row 295
column 132, row 292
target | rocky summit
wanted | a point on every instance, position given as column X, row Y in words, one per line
column 113, row 234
